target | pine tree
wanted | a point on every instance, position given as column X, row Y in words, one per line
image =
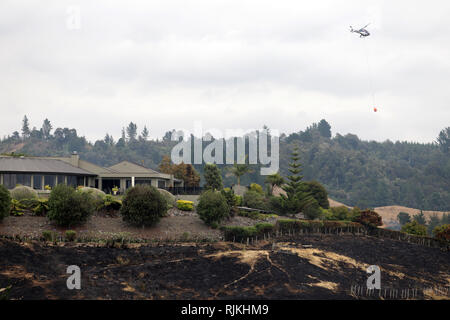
column 297, row 199
column 213, row 177
column 145, row 133
column 109, row 140
column 294, row 185
column 420, row 218
column 444, row 140
column 25, row 127
column 324, row 128
column 433, row 223
column 132, row 131
column 46, row 129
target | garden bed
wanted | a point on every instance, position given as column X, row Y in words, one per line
column 178, row 224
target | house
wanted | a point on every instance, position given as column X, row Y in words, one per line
column 38, row 172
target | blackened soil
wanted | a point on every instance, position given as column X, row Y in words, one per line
column 313, row 267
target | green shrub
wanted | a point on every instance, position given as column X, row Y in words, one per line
column 255, row 200
column 71, row 235
column 213, row 177
column 414, row 228
column 312, row 210
column 229, row 195
column 214, row 225
column 341, row 213
column 185, row 236
column 403, row 218
column 442, row 232
column 143, row 205
column 68, row 207
column 5, row 202
column 29, row 204
column 318, row 192
column 185, row 205
column 97, row 195
column 288, row 224
column 23, row 192
column 238, row 200
column 41, row 208
column 232, row 200
column 17, row 209
column 238, row 233
column 49, row 235
column 212, row 207
column 296, row 225
column 293, row 204
column 263, row 228
column 257, row 188
column 256, row 215
column 337, row 213
column 110, row 204
column 170, row 198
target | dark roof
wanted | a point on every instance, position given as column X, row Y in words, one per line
column 11, row 164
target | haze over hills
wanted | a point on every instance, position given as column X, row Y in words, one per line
column 355, row 172
column 389, row 213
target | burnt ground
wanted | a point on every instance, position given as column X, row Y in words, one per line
column 313, row 267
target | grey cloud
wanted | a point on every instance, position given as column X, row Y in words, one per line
column 228, row 63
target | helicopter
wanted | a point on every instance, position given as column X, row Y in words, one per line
column 362, row 32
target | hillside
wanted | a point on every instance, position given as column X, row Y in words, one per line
column 389, row 213
column 356, row 172
column 327, row 268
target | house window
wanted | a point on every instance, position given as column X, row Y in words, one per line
column 49, row 181
column 161, row 184
column 80, row 181
column 61, row 180
column 24, row 179
column 37, row 182
column 9, row 180
column 72, row 181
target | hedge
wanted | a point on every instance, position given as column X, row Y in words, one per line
column 239, row 234
column 312, row 226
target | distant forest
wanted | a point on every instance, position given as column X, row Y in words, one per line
column 359, row 173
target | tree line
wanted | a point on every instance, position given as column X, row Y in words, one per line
column 356, row 172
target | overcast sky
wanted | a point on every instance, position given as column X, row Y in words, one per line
column 230, row 64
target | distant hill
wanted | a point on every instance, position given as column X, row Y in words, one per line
column 334, row 203
column 389, row 213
